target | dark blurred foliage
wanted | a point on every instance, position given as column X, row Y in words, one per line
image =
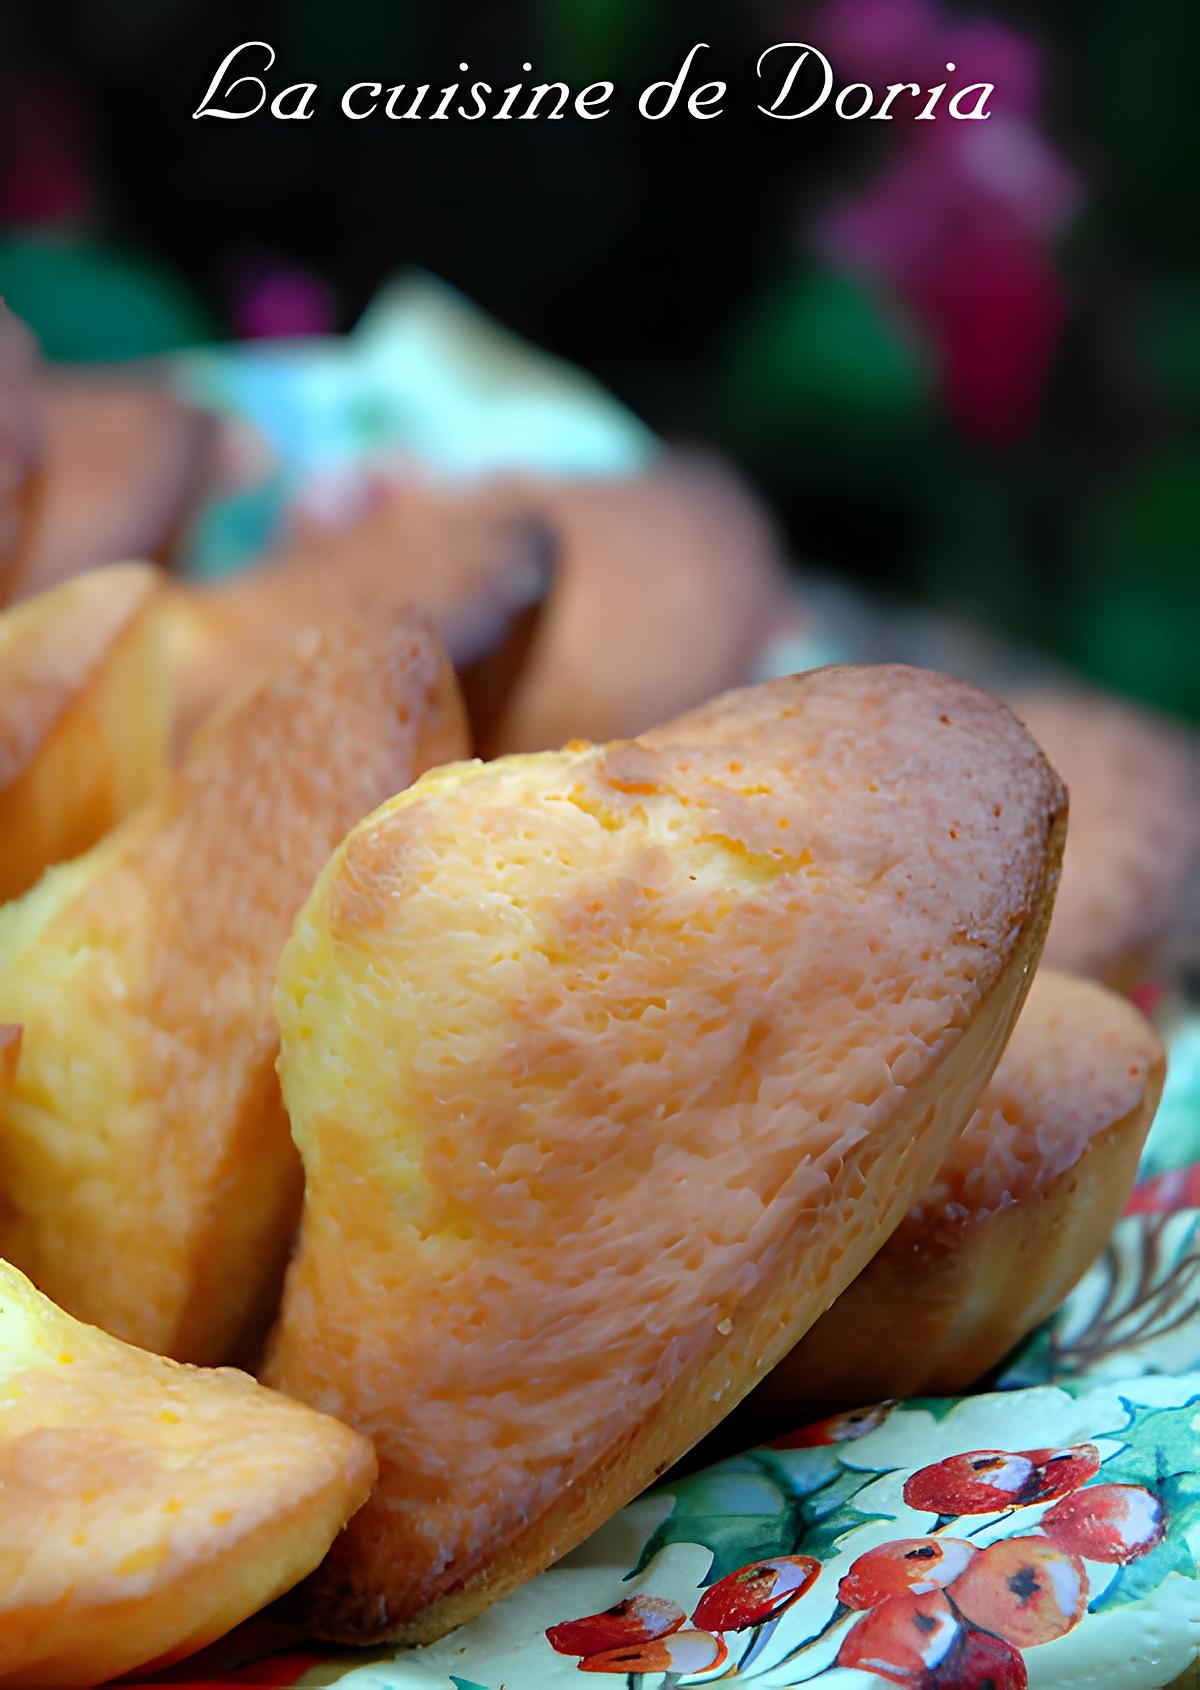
column 970, row 377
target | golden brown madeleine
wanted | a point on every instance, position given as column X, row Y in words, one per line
column 1020, row 1209
column 1131, row 855
column 669, row 584
column 84, row 716
column 610, row 1068
column 150, row 1183
column 124, row 466
column 148, row 1507
column 20, row 441
column 480, row 573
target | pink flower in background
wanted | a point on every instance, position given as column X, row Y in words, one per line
column 959, row 222
column 986, row 51
column 876, row 41
column 994, row 306
column 882, row 41
column 273, row 299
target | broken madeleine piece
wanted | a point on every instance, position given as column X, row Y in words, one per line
column 148, row 1507
column 84, row 716
column 1020, row 1209
column 610, row 1068
column 150, row 1182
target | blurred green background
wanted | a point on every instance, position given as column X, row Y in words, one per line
column 960, row 361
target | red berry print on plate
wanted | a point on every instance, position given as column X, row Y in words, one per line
column 903, row 1639
column 979, row 1661
column 755, row 1593
column 1109, row 1523
column 909, row 1566
column 1178, row 1188
column 639, row 1619
column 837, row 1429
column 1060, row 1471
column 980, row 1481
column 1025, row 1589
column 682, row 1652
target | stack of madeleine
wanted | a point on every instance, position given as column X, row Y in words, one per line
column 427, row 987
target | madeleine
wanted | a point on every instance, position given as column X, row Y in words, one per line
column 150, row 1182
column 1020, row 1209
column 1129, row 868
column 124, row 468
column 84, row 716
column 610, row 1068
column 669, row 585
column 480, row 573
column 148, row 1507
column 20, row 442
